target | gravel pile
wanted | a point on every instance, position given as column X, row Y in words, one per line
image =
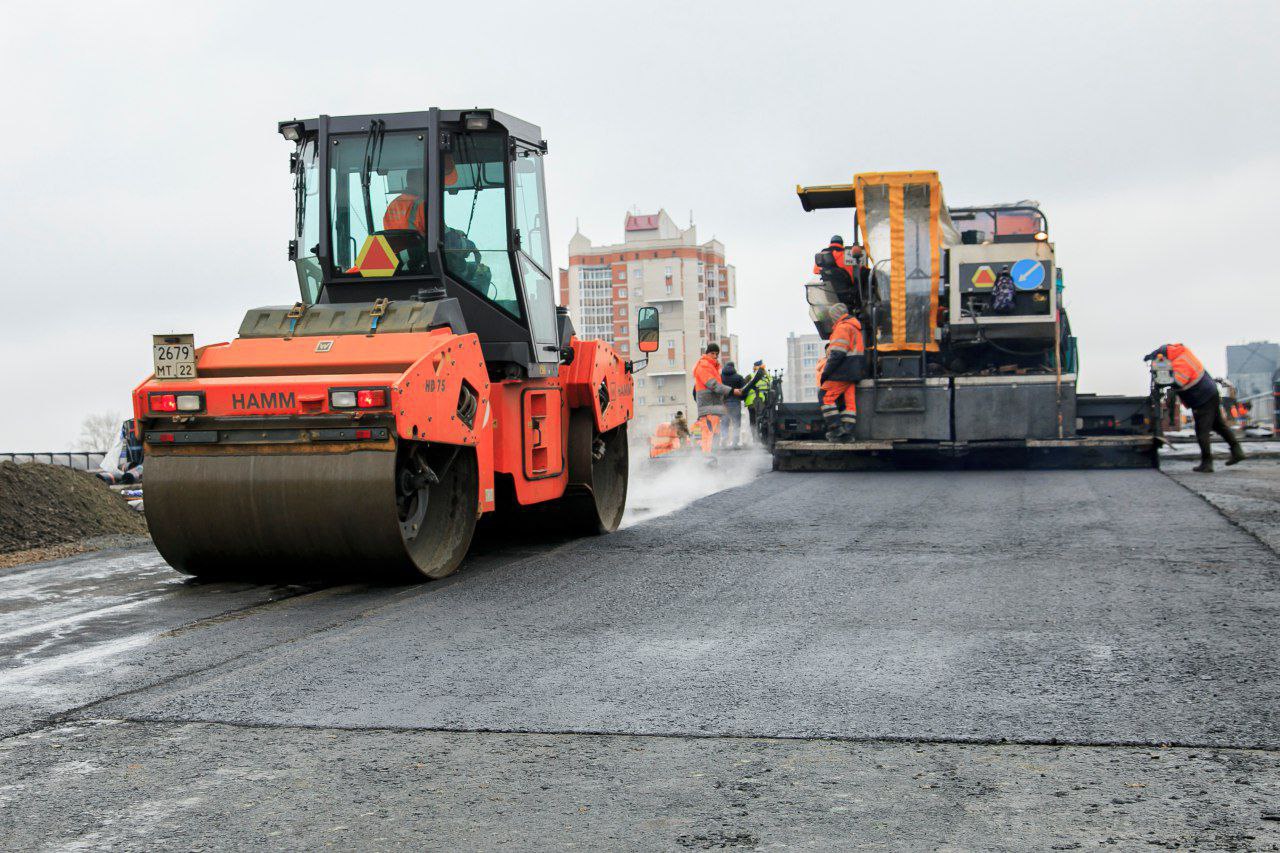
column 42, row 505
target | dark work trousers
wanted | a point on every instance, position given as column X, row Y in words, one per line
column 1209, row 420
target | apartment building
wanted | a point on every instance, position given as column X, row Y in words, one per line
column 657, row 263
column 800, row 381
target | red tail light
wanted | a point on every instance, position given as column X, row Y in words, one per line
column 163, row 402
column 182, row 401
column 371, row 398
column 358, row 398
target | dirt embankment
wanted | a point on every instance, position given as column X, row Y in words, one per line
column 46, row 509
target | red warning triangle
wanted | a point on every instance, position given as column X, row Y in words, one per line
column 984, row 277
column 376, row 258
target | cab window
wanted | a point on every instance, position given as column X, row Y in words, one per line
column 377, row 188
column 306, row 187
column 473, row 178
column 531, row 207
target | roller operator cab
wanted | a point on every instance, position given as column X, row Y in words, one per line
column 425, row 377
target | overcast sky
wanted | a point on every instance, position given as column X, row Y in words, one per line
column 144, row 187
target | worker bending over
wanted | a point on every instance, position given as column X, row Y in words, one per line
column 681, row 426
column 1199, row 393
column 709, row 392
column 845, row 364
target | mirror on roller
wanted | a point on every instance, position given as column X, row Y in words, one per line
column 647, row 329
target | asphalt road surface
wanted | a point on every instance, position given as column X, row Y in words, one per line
column 999, row 660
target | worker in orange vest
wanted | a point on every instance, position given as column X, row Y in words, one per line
column 709, row 392
column 844, row 366
column 1199, row 393
column 407, row 210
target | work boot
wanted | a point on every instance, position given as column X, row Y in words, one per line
column 1237, row 454
column 846, row 429
column 832, row 418
column 1205, row 467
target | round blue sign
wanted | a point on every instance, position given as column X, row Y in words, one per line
column 1028, row 274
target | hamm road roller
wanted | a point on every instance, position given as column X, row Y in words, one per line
column 424, row 379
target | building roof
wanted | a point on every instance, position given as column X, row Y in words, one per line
column 641, row 222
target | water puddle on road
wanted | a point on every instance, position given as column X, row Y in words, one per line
column 660, row 486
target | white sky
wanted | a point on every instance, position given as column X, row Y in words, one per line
column 144, row 187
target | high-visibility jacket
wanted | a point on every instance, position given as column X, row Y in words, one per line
column 708, row 389
column 817, row 376
column 837, row 255
column 405, row 212
column 845, row 350
column 757, row 388
column 1187, row 369
column 1195, row 386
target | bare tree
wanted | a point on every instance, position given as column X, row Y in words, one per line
column 98, row 432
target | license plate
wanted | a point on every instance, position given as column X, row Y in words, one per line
column 174, row 356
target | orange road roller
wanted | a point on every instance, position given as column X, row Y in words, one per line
column 425, row 378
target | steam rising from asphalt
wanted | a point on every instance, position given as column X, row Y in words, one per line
column 665, row 485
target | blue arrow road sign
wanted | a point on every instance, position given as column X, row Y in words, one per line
column 1028, row 274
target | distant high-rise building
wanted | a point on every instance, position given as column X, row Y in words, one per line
column 1252, row 368
column 799, row 382
column 663, row 265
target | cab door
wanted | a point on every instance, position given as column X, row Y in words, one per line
column 533, row 250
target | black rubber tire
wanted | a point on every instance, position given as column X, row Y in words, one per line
column 450, row 520
column 596, row 498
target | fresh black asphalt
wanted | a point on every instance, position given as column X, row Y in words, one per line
column 1011, row 660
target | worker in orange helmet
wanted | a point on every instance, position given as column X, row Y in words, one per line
column 408, row 210
column 709, row 392
column 844, row 366
column 1199, row 393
